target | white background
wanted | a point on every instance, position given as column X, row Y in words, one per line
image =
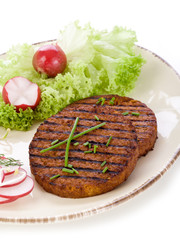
column 154, row 214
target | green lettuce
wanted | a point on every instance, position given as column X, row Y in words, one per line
column 99, row 62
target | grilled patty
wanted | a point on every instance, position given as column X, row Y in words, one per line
column 141, row 117
column 89, row 179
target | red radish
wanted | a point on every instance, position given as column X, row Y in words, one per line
column 10, row 170
column 19, row 190
column 2, row 175
column 21, row 93
column 13, row 180
column 50, row 60
column 6, row 200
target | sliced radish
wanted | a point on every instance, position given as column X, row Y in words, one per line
column 7, row 200
column 19, row 190
column 21, row 93
column 12, row 179
column 2, row 175
column 10, row 170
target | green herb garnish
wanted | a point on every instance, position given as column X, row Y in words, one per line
column 70, row 165
column 68, row 170
column 74, row 137
column 87, row 151
column 108, row 142
column 95, row 147
column 56, row 176
column 112, row 101
column 75, row 171
column 9, row 161
column 54, row 142
column 102, row 100
column 86, row 143
column 72, row 170
column 96, row 118
column 103, row 163
column 99, row 100
column 135, row 113
column 76, row 143
column 125, row 113
column 69, row 141
column 105, row 169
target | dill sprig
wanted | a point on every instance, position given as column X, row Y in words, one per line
column 9, row 161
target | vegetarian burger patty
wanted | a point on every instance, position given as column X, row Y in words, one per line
column 90, row 177
column 141, row 117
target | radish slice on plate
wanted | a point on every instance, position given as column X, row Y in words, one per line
column 12, row 179
column 2, row 175
column 6, row 200
column 9, row 170
column 19, row 190
column 21, row 93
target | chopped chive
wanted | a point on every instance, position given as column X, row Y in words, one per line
column 99, row 100
column 74, row 137
column 135, row 113
column 108, row 142
column 58, row 175
column 125, row 113
column 96, row 118
column 69, row 141
column 112, row 101
column 75, row 171
column 95, row 147
column 86, row 143
column 70, row 166
column 76, row 143
column 68, row 170
column 105, row 169
column 102, row 102
column 54, row 142
column 89, row 145
column 103, row 163
column 87, row 151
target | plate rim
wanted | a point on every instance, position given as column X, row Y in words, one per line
column 116, row 202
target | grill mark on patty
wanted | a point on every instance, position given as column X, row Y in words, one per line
column 104, row 105
column 107, row 112
column 88, row 119
column 102, row 113
column 84, row 126
column 91, row 142
column 88, row 170
column 84, row 107
column 80, row 151
column 78, row 159
column 110, row 129
column 122, row 133
column 76, row 177
column 68, row 132
column 108, row 121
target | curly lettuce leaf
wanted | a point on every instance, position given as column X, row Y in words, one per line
column 99, row 62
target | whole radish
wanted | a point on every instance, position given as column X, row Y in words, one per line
column 50, row 60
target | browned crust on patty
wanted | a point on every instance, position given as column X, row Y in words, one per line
column 145, row 124
column 121, row 154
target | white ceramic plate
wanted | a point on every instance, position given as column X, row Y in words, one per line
column 158, row 87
